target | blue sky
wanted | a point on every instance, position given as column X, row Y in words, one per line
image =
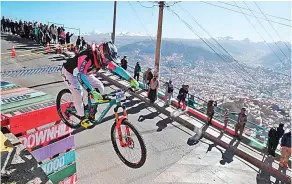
column 219, row 22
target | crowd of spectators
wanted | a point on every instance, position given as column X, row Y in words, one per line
column 38, row 32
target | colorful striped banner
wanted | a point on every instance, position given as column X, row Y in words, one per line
column 65, row 173
column 53, row 149
column 3, row 83
column 56, row 164
column 9, row 87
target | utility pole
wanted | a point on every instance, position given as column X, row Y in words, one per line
column 159, row 36
column 114, row 22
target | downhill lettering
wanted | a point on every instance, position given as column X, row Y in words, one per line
column 70, row 180
column 44, row 136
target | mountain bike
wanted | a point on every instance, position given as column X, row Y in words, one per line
column 66, row 110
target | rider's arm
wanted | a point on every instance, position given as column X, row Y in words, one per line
column 121, row 72
column 81, row 75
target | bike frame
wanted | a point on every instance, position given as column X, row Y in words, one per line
column 118, row 119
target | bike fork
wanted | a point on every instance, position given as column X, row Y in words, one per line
column 118, row 126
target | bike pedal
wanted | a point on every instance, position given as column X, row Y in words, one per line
column 85, row 124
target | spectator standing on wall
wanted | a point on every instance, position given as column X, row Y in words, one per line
column 226, row 114
column 210, row 111
column 274, row 137
column 153, row 89
column 137, row 71
column 241, row 121
column 68, row 37
column 182, row 94
column 285, row 149
column 168, row 93
column 145, row 79
column 124, row 63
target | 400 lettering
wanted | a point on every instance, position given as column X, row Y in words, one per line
column 21, row 97
column 15, row 98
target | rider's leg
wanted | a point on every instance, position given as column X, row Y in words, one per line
column 95, row 83
column 76, row 90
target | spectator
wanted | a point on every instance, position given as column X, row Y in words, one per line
column 274, row 137
column 83, row 43
column 137, row 71
column 154, row 85
column 241, row 121
column 62, row 36
column 68, row 37
column 225, row 119
column 149, row 77
column 124, row 63
column 145, row 79
column 168, row 93
column 182, row 94
column 210, row 111
column 285, row 149
column 3, row 26
column 78, row 42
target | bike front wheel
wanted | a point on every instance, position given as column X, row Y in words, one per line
column 128, row 139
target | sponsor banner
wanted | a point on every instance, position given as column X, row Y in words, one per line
column 70, row 180
column 56, row 164
column 23, row 97
column 65, row 173
column 53, row 149
column 28, row 108
column 45, row 136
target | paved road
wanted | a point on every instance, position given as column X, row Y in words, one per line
column 170, row 159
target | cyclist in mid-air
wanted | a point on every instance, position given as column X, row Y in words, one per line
column 79, row 71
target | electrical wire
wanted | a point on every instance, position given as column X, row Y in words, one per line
column 261, row 36
column 231, row 57
column 268, row 33
column 272, row 26
column 245, row 13
column 257, row 11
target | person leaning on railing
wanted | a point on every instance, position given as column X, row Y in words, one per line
column 285, row 149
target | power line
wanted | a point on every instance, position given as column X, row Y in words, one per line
column 272, row 26
column 231, row 57
column 256, row 11
column 260, row 35
column 208, row 44
column 244, row 13
column 267, row 32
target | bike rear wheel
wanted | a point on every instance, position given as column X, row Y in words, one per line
column 142, row 157
column 68, row 111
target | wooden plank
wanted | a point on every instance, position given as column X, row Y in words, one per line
column 14, row 90
column 43, row 137
column 70, row 180
column 65, row 173
column 56, row 164
column 53, row 149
